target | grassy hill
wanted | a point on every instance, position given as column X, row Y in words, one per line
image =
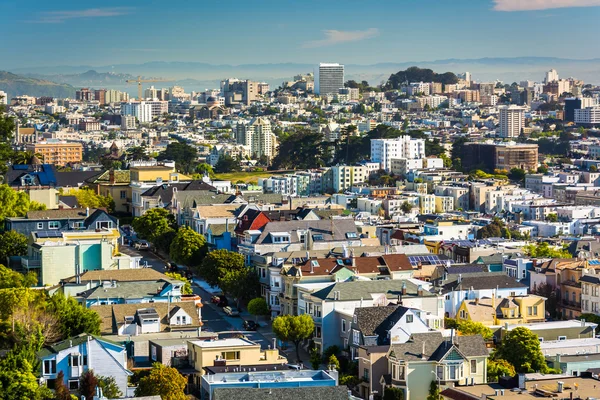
column 16, row 85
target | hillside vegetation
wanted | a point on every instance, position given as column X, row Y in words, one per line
column 15, row 85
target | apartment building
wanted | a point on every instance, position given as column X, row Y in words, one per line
column 329, row 78
column 501, row 156
column 512, row 120
column 588, row 116
column 343, row 177
column 383, row 151
column 57, row 153
column 237, row 91
column 258, row 137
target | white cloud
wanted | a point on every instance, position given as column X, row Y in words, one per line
column 334, row 37
column 529, row 5
column 57, row 17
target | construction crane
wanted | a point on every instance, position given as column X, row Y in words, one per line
column 139, row 82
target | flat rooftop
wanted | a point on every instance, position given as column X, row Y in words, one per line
column 288, row 375
column 229, row 342
column 553, row 325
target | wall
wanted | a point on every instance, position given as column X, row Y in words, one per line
column 58, row 262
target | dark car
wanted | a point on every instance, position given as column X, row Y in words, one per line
column 171, row 267
column 250, row 326
column 223, row 302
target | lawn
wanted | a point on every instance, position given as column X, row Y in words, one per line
column 246, row 177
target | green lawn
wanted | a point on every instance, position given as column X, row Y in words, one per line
column 246, row 177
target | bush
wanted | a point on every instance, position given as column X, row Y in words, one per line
column 349, row 380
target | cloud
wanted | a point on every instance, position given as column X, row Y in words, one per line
column 57, row 17
column 529, row 5
column 334, row 37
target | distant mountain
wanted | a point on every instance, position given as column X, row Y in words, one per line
column 88, row 78
column 15, row 85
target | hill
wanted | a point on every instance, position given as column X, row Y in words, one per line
column 416, row 74
column 16, row 85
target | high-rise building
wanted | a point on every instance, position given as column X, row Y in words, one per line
column 237, row 91
column 551, row 76
column 127, row 122
column 330, row 78
column 84, row 94
column 588, row 116
column 151, row 93
column 383, row 151
column 500, row 156
column 571, row 104
column 58, row 153
column 115, row 96
column 512, row 120
column 258, row 137
column 100, row 95
column 142, row 110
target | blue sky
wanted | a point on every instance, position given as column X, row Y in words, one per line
column 68, row 32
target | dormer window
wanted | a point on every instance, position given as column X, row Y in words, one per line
column 351, row 235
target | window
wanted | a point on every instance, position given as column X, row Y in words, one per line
column 49, row 367
column 73, row 384
column 409, row 318
column 366, row 374
column 78, row 225
column 355, row 336
column 153, row 351
column 104, row 225
column 53, row 225
column 230, row 355
column 74, row 358
column 343, row 325
column 530, row 310
column 85, row 360
column 123, row 194
column 562, row 338
column 473, row 366
column 317, row 331
column 535, row 310
column 40, row 225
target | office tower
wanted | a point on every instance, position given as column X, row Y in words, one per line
column 571, row 105
column 551, row 76
column 100, row 95
column 330, row 78
column 512, row 120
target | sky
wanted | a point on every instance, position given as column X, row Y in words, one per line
column 108, row 32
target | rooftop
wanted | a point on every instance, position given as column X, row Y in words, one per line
column 230, row 342
column 301, row 393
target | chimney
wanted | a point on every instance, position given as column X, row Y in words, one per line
column 452, row 336
column 583, row 322
column 420, row 291
column 477, row 301
column 459, row 280
column 423, row 358
column 111, row 176
column 403, row 288
column 87, row 212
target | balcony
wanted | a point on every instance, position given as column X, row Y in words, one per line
column 28, row 264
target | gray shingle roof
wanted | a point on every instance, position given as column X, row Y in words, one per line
column 324, row 227
column 374, row 321
column 479, row 281
column 436, row 347
column 356, row 290
column 300, row 393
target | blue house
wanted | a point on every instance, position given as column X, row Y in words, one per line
column 220, row 236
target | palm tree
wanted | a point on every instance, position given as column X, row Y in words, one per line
column 25, row 157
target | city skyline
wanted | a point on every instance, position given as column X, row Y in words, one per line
column 271, row 32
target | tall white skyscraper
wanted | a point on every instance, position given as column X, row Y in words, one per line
column 512, row 120
column 551, row 76
column 330, row 78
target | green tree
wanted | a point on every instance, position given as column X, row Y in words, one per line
column 154, row 223
column 333, row 361
column 137, row 153
column 552, row 217
column 516, row 174
column 467, row 327
column 109, row 387
column 406, row 207
column 241, row 283
column 15, row 204
column 393, row 393
column 163, row 381
column 216, row 263
column 12, row 243
column 302, row 149
column 188, row 247
column 447, row 160
column 12, row 279
column 187, row 286
column 434, row 391
column 258, row 307
column 73, row 317
column 205, row 168
column 499, row 368
column 542, row 169
column 315, row 359
column 294, row 328
column 86, row 197
column 184, row 155
column 87, row 384
column 226, row 164
column 543, row 250
column 521, row 348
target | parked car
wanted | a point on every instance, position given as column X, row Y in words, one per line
column 231, row 311
column 142, row 245
column 250, row 326
column 171, row 267
column 223, row 302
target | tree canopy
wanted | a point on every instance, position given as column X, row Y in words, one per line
column 184, row 155
column 521, row 348
column 416, row 74
column 216, row 264
column 12, row 243
column 294, row 328
column 155, row 223
column 16, row 204
column 163, row 381
column 543, row 250
column 258, row 306
column 188, row 247
column 468, row 327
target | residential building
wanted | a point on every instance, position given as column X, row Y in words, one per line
column 141, row 110
column 57, row 152
column 343, row 177
column 258, row 137
column 383, row 151
column 590, row 291
column 512, row 310
column 329, row 79
column 588, row 116
column 426, row 357
column 501, row 156
column 78, row 354
column 238, row 92
column 77, row 219
column 512, row 121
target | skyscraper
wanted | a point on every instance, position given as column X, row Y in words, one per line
column 330, row 79
column 551, row 76
column 512, row 121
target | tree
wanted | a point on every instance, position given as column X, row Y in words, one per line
column 205, row 168
column 226, row 164
column 216, row 263
column 521, row 348
column 543, row 250
column 163, row 381
column 187, row 286
column 333, row 362
column 499, row 368
column 552, row 217
column 109, row 387
column 542, row 169
column 406, row 207
column 86, row 197
column 12, row 243
column 73, row 317
column 241, row 283
column 468, row 327
column 315, row 359
column 258, row 307
column 434, row 391
column 302, row 149
column 393, row 393
column 516, row 174
column 13, row 279
column 61, row 392
column 87, row 384
column 294, row 328
column 15, row 204
column 184, row 155
column 188, row 247
column 154, row 223
column 549, row 292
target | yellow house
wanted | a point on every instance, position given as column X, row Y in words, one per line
column 512, row 310
column 151, row 173
column 230, row 352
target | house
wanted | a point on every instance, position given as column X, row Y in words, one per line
column 553, row 330
column 140, row 318
column 379, row 326
column 493, row 262
column 284, row 384
column 203, row 216
column 470, row 286
column 61, row 220
column 252, row 219
column 574, row 364
column 80, row 353
column 330, row 304
column 114, row 183
column 372, row 364
column 220, row 236
column 159, row 194
column 426, row 357
column 513, row 309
